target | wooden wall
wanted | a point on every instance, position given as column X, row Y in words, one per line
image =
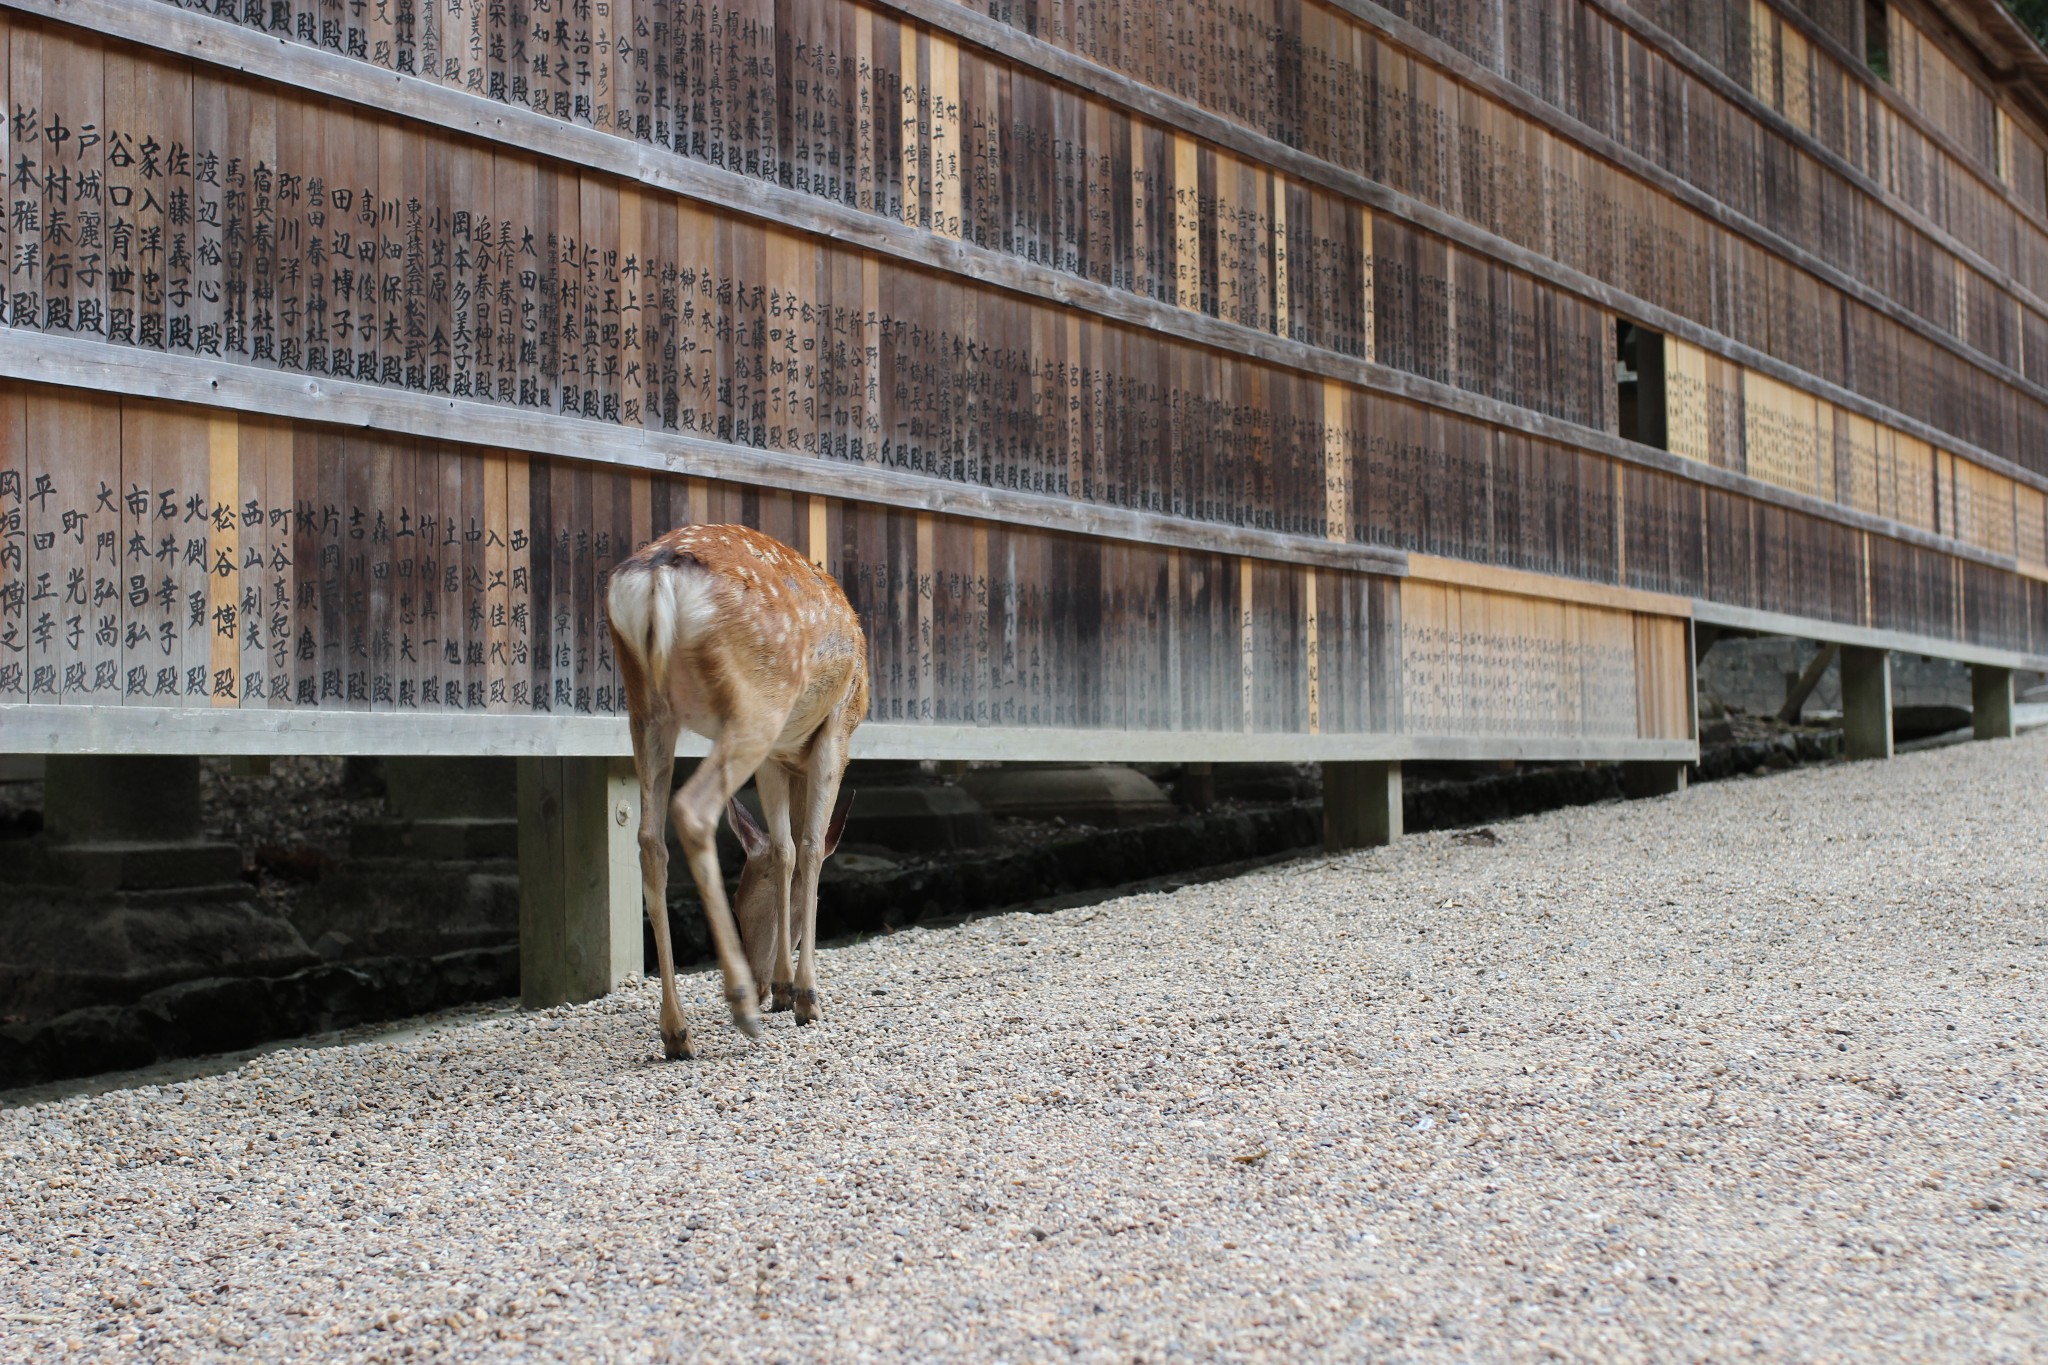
column 1126, row 364
column 188, row 557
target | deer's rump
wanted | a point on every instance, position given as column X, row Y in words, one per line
column 707, row 614
column 659, row 601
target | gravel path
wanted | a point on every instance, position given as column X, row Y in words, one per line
column 1756, row 1070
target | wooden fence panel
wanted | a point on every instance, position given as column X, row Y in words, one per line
column 1125, row 385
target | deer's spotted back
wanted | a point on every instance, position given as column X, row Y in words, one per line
column 785, row 585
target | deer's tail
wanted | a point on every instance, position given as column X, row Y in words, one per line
column 658, row 603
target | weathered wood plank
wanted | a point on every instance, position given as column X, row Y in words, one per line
column 30, row 729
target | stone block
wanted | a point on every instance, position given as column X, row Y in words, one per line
column 1101, row 794
column 91, row 798
column 1265, row 782
column 452, row 788
column 21, row 767
column 930, row 817
column 111, row 866
column 440, row 840
column 64, row 949
column 378, row 906
column 226, row 1013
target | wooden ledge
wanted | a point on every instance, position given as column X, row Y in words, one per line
column 1523, row 583
column 87, row 728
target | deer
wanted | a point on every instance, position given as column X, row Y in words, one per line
column 735, row 636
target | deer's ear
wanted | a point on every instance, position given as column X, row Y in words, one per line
column 752, row 837
column 838, row 825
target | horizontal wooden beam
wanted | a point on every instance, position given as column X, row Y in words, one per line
column 1522, row 583
column 1833, row 632
column 47, row 729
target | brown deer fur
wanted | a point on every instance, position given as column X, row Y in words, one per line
column 741, row 639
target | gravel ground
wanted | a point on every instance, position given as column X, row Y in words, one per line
column 1753, row 1071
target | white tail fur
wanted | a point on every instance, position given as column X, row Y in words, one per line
column 655, row 609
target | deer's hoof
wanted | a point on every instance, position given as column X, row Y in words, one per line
column 745, row 1017
column 783, row 994
column 676, row 1046
column 806, row 1005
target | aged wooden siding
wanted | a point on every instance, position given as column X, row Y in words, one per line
column 1141, row 372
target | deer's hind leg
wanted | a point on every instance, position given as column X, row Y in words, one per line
column 734, row 757
column 654, row 759
column 819, row 784
column 764, row 923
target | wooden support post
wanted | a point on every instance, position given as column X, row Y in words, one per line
column 1641, row 780
column 1991, row 701
column 1361, row 805
column 579, row 878
column 1866, row 702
